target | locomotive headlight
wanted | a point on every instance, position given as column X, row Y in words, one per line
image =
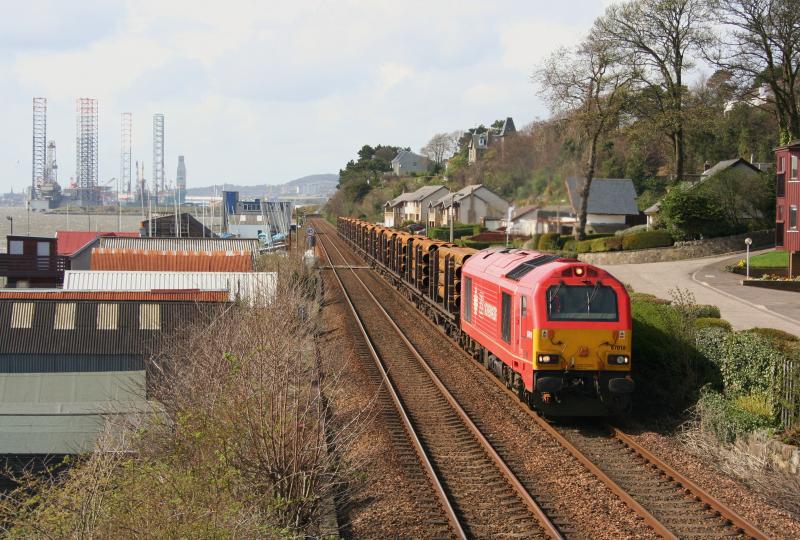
column 579, row 271
column 548, row 359
column 618, row 359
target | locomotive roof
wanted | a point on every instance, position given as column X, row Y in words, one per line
column 522, row 266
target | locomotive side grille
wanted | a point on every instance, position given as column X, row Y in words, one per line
column 523, row 268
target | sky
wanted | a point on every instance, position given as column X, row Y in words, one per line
column 264, row 91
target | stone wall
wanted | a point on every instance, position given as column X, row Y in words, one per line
column 783, row 456
column 693, row 250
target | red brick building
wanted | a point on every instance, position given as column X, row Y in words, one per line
column 787, row 191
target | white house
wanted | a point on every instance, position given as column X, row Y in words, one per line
column 472, row 204
column 530, row 220
column 411, row 206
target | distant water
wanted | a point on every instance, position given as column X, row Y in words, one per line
column 42, row 224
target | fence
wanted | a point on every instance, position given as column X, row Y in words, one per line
column 790, row 392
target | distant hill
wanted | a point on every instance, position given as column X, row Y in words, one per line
column 314, row 183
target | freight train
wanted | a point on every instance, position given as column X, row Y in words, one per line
column 557, row 331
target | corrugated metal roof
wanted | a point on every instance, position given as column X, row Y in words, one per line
column 183, row 244
column 249, row 286
column 139, row 326
column 183, row 295
column 173, row 261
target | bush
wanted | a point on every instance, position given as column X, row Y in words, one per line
column 459, row 230
column 583, row 246
column 727, row 419
column 474, row 244
column 570, row 245
column 705, row 311
column 631, row 230
column 533, row 243
column 713, row 322
column 690, row 214
column 777, row 336
column 667, row 367
column 549, row 242
column 647, row 240
column 647, row 297
column 606, row 243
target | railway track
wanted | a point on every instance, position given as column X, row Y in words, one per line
column 670, row 503
column 478, row 494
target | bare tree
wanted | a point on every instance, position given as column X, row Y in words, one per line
column 658, row 35
column 762, row 46
column 440, row 147
column 590, row 85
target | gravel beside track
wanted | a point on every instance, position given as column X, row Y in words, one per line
column 773, row 521
column 389, row 496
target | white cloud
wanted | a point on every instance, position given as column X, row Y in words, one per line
column 259, row 91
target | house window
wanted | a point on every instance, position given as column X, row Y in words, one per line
column 779, row 214
column 794, row 168
column 468, row 299
column 149, row 317
column 793, row 217
column 43, row 249
column 15, row 247
column 65, row 316
column 107, row 316
column 505, row 321
column 781, row 164
column 22, row 315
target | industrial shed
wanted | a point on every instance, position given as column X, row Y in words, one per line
column 172, row 261
column 65, row 365
column 247, row 286
column 252, row 245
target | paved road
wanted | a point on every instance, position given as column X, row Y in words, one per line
column 744, row 307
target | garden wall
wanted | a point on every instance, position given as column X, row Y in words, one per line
column 792, row 286
column 693, row 250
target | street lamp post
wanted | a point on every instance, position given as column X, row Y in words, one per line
column 453, row 207
column 748, row 242
column 11, row 219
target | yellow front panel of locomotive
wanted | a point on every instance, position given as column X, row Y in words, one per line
column 581, row 349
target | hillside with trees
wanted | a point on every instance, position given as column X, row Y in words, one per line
column 628, row 102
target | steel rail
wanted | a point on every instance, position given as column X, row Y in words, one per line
column 532, row 505
column 737, row 521
column 422, row 455
column 744, row 526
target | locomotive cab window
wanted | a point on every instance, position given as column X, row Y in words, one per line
column 596, row 302
column 505, row 318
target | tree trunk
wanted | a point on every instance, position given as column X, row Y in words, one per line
column 678, row 142
column 580, row 231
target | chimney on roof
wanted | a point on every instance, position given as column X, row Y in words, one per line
column 706, row 166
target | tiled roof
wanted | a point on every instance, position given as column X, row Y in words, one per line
column 462, row 193
column 173, row 261
column 65, row 327
column 183, row 244
column 610, row 196
column 727, row 164
column 69, row 242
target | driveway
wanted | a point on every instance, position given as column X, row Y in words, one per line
column 744, row 307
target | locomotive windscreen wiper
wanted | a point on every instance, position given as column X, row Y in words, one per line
column 589, row 297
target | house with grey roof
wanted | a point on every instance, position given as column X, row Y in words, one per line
column 611, row 206
column 406, row 162
column 480, row 142
column 533, row 219
column 471, row 204
column 411, row 206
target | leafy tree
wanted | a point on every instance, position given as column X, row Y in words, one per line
column 587, row 83
column 690, row 214
column 656, row 36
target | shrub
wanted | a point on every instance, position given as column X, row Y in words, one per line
column 690, row 214
column 583, row 246
column 729, row 418
column 570, row 245
column 705, row 311
column 713, row 322
column 533, row 243
column 549, row 242
column 777, row 336
column 631, row 230
column 606, row 243
column 647, row 297
column 667, row 368
column 459, row 230
column 474, row 244
column 647, row 240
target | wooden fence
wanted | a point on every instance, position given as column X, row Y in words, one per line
column 790, row 392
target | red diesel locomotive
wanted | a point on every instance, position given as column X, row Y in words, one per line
column 556, row 330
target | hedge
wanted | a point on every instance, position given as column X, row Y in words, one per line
column 647, row 297
column 533, row 243
column 705, row 311
column 606, row 243
column 549, row 242
column 632, row 230
column 647, row 240
column 713, row 322
column 459, row 230
column 775, row 335
column 474, row 244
